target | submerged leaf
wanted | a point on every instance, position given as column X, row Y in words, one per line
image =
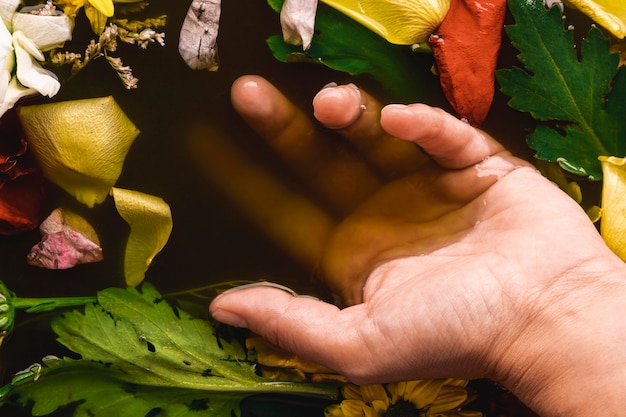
column 557, row 86
column 80, row 145
column 150, row 221
column 142, row 356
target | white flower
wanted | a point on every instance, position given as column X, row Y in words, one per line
column 24, row 36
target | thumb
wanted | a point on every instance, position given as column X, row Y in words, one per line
column 312, row 329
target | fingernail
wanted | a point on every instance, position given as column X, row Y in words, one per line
column 338, row 106
column 330, row 85
column 228, row 317
column 267, row 284
column 262, row 284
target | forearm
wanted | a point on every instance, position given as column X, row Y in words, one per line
column 570, row 359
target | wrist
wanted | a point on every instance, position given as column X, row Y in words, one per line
column 568, row 355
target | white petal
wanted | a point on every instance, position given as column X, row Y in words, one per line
column 14, row 92
column 46, row 32
column 7, row 9
column 7, row 60
column 297, row 19
column 29, row 72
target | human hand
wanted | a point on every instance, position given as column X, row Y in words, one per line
column 469, row 264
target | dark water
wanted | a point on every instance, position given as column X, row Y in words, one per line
column 212, row 241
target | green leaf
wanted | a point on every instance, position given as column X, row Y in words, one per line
column 142, row 356
column 344, row 45
column 556, row 85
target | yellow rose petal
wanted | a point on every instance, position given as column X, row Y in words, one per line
column 613, row 220
column 610, row 14
column 80, row 145
column 150, row 221
column 402, row 22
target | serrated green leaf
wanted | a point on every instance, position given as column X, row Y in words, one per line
column 98, row 390
column 141, row 353
column 344, row 45
column 556, row 85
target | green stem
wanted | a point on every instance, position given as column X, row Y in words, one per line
column 38, row 305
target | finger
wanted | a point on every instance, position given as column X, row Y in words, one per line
column 332, row 169
column 312, row 329
column 286, row 216
column 451, row 142
column 356, row 115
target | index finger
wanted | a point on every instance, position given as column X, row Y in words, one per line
column 451, row 142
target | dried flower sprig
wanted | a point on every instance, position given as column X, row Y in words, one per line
column 139, row 33
column 139, row 25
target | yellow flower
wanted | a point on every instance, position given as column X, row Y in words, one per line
column 402, row 22
column 276, row 363
column 613, row 220
column 97, row 11
column 611, row 14
column 428, row 398
column 71, row 7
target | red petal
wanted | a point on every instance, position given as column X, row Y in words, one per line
column 466, row 48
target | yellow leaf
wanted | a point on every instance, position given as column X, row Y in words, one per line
column 80, row 145
column 610, row 14
column 150, row 221
column 402, row 22
column 613, row 220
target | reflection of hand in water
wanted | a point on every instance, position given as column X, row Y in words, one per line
column 469, row 264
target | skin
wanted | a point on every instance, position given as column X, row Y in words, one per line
column 465, row 264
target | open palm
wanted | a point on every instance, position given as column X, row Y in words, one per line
column 444, row 263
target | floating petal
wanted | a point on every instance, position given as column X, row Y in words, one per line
column 610, row 14
column 297, row 19
column 403, row 22
column 80, row 145
column 46, row 32
column 613, row 220
column 29, row 73
column 63, row 219
column 150, row 221
column 64, row 250
column 68, row 240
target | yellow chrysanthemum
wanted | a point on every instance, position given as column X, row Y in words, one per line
column 402, row 22
column 610, row 14
column 428, row 398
